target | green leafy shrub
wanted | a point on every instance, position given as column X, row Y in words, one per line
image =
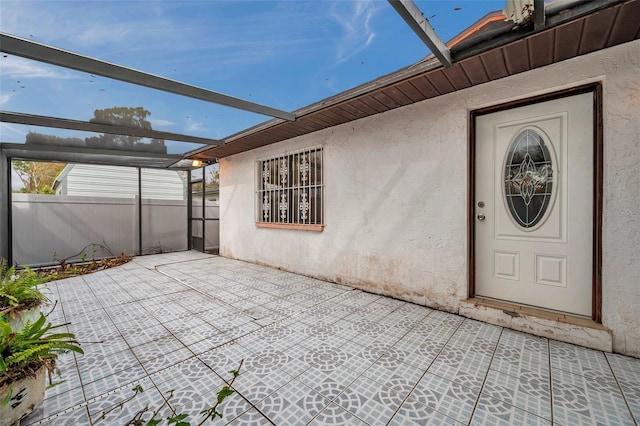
column 23, row 352
column 19, row 289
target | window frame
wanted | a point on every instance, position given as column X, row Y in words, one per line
column 289, row 190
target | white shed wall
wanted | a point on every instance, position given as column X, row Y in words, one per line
column 121, row 182
column 396, row 195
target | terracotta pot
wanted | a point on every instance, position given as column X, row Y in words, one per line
column 18, row 319
column 26, row 395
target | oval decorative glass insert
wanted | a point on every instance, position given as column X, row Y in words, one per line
column 528, row 178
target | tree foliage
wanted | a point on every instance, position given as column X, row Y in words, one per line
column 124, row 116
column 37, row 176
column 212, row 177
column 42, row 139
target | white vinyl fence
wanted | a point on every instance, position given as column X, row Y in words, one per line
column 46, row 227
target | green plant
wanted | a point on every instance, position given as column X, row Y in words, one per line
column 23, row 352
column 178, row 419
column 19, row 289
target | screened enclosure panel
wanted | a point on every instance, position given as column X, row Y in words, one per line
column 37, row 135
column 98, row 209
column 164, row 211
column 204, row 50
column 84, row 94
column 20, row 152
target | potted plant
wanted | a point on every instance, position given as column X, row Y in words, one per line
column 27, row 357
column 20, row 295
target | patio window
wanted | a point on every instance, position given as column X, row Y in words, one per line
column 290, row 190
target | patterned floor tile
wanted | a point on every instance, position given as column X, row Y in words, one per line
column 198, row 332
column 420, row 350
column 491, row 411
column 187, row 395
column 334, row 414
column 335, row 358
column 106, row 384
column 278, row 335
column 94, row 365
column 432, row 329
column 444, row 319
column 420, row 410
column 263, row 361
column 577, row 359
column 461, row 364
column 240, row 331
column 139, row 333
column 255, row 388
column 390, row 366
column 225, row 358
column 74, row 417
column 299, row 360
column 161, row 353
column 56, row 404
column 66, row 376
column 274, row 339
column 372, row 402
column 529, row 392
column 477, row 330
column 580, row 399
column 106, row 345
column 627, row 373
column 453, row 399
column 251, row 417
column 327, row 312
column 293, row 404
column 124, row 315
column 120, row 406
column 518, row 352
column 337, row 330
column 313, row 352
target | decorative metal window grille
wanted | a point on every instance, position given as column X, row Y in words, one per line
column 290, row 189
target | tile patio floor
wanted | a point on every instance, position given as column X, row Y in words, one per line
column 314, row 353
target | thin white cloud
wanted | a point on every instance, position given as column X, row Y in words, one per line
column 159, row 122
column 136, row 34
column 5, row 98
column 15, row 67
column 195, row 127
column 354, row 18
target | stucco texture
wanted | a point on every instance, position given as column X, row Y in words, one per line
column 396, row 194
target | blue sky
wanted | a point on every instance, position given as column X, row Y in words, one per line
column 284, row 54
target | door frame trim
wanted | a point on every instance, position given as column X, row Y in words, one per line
column 598, row 182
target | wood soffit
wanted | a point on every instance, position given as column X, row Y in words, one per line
column 601, row 29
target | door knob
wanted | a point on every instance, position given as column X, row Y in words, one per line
column 481, row 217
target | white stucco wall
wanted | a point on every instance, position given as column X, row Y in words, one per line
column 396, row 195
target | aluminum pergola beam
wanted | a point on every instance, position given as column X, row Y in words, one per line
column 79, row 154
column 113, row 129
column 13, row 148
column 40, row 52
column 5, row 207
column 539, row 14
column 420, row 25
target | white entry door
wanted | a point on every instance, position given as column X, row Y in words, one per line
column 533, row 212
